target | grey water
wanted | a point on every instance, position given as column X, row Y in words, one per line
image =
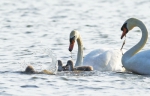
column 31, row 26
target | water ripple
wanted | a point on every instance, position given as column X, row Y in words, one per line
column 29, row 86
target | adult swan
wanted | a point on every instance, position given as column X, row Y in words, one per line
column 100, row 59
column 132, row 60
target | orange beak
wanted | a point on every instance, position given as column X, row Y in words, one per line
column 71, row 46
column 124, row 32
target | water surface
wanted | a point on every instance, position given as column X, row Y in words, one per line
column 30, row 25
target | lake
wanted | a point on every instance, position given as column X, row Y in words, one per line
column 29, row 27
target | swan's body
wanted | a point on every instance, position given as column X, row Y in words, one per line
column 132, row 60
column 104, row 60
column 78, row 68
column 100, row 59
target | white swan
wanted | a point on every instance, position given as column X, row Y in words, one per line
column 132, row 60
column 100, row 59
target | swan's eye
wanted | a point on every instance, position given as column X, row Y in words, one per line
column 124, row 26
column 72, row 39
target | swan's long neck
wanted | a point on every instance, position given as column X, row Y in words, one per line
column 139, row 45
column 79, row 60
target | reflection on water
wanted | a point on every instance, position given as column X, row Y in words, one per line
column 27, row 26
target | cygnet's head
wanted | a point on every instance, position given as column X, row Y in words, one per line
column 29, row 69
column 60, row 65
column 70, row 65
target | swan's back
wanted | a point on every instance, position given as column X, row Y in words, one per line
column 104, row 60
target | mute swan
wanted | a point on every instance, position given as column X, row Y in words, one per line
column 78, row 68
column 132, row 60
column 100, row 59
column 30, row 70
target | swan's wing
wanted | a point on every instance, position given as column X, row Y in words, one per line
column 89, row 57
column 94, row 53
column 103, row 60
column 115, row 63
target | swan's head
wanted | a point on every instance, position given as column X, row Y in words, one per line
column 128, row 25
column 74, row 35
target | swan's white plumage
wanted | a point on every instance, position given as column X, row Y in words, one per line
column 132, row 60
column 139, row 63
column 100, row 59
column 104, row 60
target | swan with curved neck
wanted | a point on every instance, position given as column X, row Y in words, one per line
column 132, row 60
column 74, row 35
column 78, row 68
column 100, row 59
